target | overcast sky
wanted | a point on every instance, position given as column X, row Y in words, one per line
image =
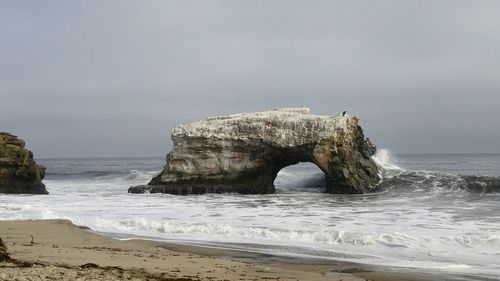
column 111, row 78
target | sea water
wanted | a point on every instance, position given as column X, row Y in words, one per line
column 426, row 215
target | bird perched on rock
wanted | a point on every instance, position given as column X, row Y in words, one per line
column 343, row 113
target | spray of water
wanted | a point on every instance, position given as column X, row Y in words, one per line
column 383, row 159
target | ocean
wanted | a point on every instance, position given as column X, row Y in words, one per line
column 433, row 212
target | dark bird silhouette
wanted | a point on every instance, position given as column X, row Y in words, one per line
column 343, row 113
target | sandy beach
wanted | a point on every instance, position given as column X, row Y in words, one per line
column 60, row 250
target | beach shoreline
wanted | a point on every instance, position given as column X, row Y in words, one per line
column 60, row 247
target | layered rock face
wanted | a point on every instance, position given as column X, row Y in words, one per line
column 18, row 171
column 243, row 153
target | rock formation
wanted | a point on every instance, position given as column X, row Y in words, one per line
column 243, row 153
column 18, row 171
column 3, row 252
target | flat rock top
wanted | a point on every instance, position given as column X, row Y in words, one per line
column 285, row 126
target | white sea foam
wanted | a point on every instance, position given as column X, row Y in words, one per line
column 384, row 160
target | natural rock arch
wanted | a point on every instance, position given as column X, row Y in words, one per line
column 244, row 152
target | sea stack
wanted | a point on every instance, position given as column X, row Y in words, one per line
column 19, row 173
column 243, row 153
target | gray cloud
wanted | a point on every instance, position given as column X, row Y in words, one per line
column 110, row 78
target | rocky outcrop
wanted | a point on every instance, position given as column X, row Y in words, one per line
column 18, row 171
column 3, row 252
column 244, row 152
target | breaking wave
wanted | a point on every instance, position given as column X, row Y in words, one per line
column 395, row 177
column 306, row 177
column 330, row 237
column 383, row 159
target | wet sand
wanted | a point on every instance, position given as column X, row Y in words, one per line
column 60, row 250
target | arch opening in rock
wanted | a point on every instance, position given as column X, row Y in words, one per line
column 300, row 177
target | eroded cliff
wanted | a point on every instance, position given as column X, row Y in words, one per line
column 244, row 152
column 18, row 171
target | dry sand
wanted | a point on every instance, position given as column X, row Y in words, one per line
column 63, row 251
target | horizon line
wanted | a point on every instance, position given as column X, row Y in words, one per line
column 150, row 157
